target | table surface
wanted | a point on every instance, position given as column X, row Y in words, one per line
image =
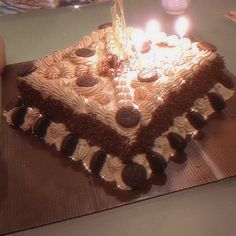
column 206, row 210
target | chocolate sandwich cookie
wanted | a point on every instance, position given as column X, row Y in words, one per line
column 105, row 25
column 26, row 69
column 85, row 52
column 68, row 145
column 41, row 126
column 145, row 48
column 206, row 46
column 176, row 141
column 134, row 175
column 196, row 120
column 157, row 162
column 127, row 117
column 18, row 116
column 147, row 75
column 163, row 45
column 97, row 162
column 87, row 81
column 217, row 101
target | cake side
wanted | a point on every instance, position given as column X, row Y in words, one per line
column 97, row 133
column 135, row 173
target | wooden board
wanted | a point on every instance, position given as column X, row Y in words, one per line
column 38, row 186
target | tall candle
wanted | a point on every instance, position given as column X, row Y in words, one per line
column 182, row 26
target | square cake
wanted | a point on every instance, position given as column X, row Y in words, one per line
column 122, row 112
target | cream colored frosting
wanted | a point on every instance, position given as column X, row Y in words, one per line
column 203, row 106
column 225, row 92
column 8, row 115
column 112, row 170
column 81, row 151
column 162, row 146
column 30, row 118
column 56, row 132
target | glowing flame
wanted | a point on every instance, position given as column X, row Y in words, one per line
column 138, row 38
column 152, row 30
column 182, row 26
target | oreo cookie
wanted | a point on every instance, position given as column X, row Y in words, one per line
column 196, row 120
column 217, row 101
column 105, row 25
column 147, row 75
column 87, row 81
column 68, row 144
column 18, row 116
column 41, row 126
column 156, row 162
column 127, row 117
column 85, row 52
column 134, row 175
column 206, row 46
column 14, row 102
column 26, row 69
column 145, row 48
column 97, row 162
column 163, row 45
column 176, row 141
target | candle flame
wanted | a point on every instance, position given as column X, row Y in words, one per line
column 138, row 38
column 182, row 26
column 152, row 30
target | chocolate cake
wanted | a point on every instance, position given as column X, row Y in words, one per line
column 124, row 114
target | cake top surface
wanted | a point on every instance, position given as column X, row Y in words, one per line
column 122, row 89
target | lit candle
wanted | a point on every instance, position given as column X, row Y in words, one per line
column 152, row 30
column 182, row 26
column 138, row 38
